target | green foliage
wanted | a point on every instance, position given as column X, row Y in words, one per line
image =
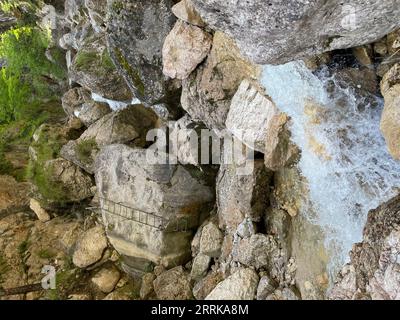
column 84, row 149
column 85, row 59
column 46, row 254
column 23, row 247
column 27, row 72
column 47, row 148
column 5, row 166
column 29, row 86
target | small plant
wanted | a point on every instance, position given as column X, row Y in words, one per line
column 84, row 150
column 46, row 254
column 23, row 247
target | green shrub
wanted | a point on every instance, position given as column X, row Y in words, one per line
column 84, row 150
column 47, row 148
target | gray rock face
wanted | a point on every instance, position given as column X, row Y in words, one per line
column 242, row 285
column 136, row 33
column 94, row 70
column 207, row 92
column 166, row 196
column 78, row 103
column 184, row 48
column 241, row 196
column 262, row 251
column 374, row 268
column 265, row 288
column 75, row 183
column 173, row 284
column 211, row 240
column 200, row 266
column 97, row 14
column 185, row 11
column 128, row 126
column 276, row 32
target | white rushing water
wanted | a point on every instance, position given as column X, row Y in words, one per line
column 114, row 105
column 344, row 156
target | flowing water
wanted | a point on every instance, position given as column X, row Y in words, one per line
column 344, row 156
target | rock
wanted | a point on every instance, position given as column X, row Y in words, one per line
column 211, row 240
column 364, row 55
column 185, row 11
column 185, row 47
column 173, row 284
column 265, row 288
column 78, row 103
column 250, row 115
column 147, row 288
column 73, row 184
column 200, row 266
column 373, row 271
column 290, row 190
column 241, row 196
column 90, row 247
column 97, row 14
column 185, row 141
column 208, row 91
column 170, row 197
column 136, row 32
column 119, row 295
column 94, row 70
column 283, row 294
column 380, row 47
column 255, row 120
column 285, row 31
column 390, row 121
column 78, row 297
column 13, row 195
column 205, row 285
column 259, row 251
column 129, row 126
column 242, row 285
column 106, row 279
column 71, row 10
column 41, row 213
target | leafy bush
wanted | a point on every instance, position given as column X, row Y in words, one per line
column 29, row 86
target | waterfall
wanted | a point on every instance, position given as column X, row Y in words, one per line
column 114, row 105
column 344, row 156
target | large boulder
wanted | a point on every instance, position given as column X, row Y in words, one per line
column 208, row 91
column 184, row 48
column 136, row 31
column 255, row 120
column 242, row 285
column 185, row 11
column 77, row 102
column 94, row 70
column 68, row 182
column 150, row 207
column 390, row 122
column 241, row 196
column 97, row 13
column 282, row 31
column 373, row 271
column 90, row 247
column 173, row 284
column 129, row 126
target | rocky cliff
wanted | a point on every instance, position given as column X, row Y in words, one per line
column 300, row 101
